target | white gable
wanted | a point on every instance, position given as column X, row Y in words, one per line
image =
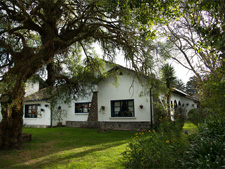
column 31, row 87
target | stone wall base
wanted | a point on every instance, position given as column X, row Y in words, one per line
column 132, row 126
column 37, row 126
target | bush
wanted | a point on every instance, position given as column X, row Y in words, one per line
column 208, row 148
column 180, row 117
column 198, row 115
column 154, row 150
column 159, row 114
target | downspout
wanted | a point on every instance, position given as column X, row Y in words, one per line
column 150, row 96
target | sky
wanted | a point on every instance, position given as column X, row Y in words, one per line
column 181, row 72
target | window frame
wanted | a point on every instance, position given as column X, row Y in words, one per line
column 32, row 113
column 89, row 104
column 122, row 114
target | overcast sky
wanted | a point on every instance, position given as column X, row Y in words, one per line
column 181, row 72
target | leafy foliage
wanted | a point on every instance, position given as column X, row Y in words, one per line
column 212, row 91
column 179, row 84
column 154, row 150
column 192, row 85
column 197, row 116
column 208, row 148
column 180, row 117
column 168, row 74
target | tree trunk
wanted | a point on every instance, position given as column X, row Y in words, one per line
column 168, row 104
column 51, row 76
column 12, row 122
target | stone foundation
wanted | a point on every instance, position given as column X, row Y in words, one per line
column 37, row 126
column 132, row 126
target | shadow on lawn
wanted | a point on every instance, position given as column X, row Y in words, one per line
column 64, row 157
column 51, row 147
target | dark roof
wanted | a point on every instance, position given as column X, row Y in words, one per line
column 179, row 92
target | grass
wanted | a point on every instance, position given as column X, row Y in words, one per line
column 64, row 147
column 68, row 148
column 190, row 127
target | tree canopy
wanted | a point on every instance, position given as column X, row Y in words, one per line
column 38, row 34
column 51, row 35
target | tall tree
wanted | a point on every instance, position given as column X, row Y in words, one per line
column 199, row 36
column 179, row 84
column 33, row 33
column 192, row 85
column 168, row 75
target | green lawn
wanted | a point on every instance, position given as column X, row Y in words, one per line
column 190, row 127
column 72, row 148
column 68, row 148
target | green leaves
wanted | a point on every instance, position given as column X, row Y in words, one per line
column 209, row 147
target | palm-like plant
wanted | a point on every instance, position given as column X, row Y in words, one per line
column 168, row 74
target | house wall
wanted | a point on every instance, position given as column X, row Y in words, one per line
column 70, row 109
column 190, row 104
column 128, row 88
column 186, row 102
column 40, row 121
column 31, row 87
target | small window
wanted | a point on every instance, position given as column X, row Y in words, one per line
column 82, row 107
column 122, row 108
column 175, row 104
column 179, row 103
column 31, row 111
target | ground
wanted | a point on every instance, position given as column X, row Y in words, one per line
column 68, row 148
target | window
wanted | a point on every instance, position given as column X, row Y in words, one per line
column 179, row 103
column 31, row 111
column 122, row 108
column 82, row 107
column 175, row 104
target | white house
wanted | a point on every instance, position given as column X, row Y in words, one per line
column 114, row 104
column 179, row 98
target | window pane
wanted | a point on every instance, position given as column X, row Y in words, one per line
column 117, row 103
column 117, row 109
column 123, row 108
column 31, row 111
column 130, row 103
column 82, row 107
column 131, row 109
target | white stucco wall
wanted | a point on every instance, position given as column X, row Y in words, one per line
column 186, row 102
column 70, row 109
column 189, row 104
column 128, row 88
column 31, row 87
column 43, row 120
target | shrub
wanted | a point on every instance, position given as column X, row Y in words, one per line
column 154, row 150
column 208, row 148
column 198, row 115
column 159, row 113
column 180, row 117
